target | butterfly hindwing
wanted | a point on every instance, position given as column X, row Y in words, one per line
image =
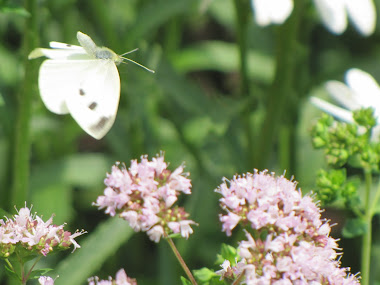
column 94, row 102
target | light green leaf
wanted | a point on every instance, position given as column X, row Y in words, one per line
column 154, row 14
column 204, row 274
column 86, row 170
column 224, row 57
column 185, row 281
column 197, row 129
column 13, row 9
column 95, row 250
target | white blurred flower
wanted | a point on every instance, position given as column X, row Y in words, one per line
column 46, row 280
column 271, row 11
column 332, row 12
column 360, row 91
column 334, row 15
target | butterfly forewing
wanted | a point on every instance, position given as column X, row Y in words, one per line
column 59, row 45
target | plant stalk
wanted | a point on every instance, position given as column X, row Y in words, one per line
column 22, row 143
column 181, row 261
column 243, row 14
column 282, row 87
column 367, row 237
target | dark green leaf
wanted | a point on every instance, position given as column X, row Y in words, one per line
column 354, row 227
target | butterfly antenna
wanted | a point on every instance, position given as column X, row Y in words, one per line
column 128, row 52
column 146, row 68
column 125, row 58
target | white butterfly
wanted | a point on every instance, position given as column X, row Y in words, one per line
column 83, row 81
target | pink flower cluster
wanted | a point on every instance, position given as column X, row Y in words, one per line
column 32, row 233
column 264, row 201
column 289, row 242
column 144, row 195
column 121, row 279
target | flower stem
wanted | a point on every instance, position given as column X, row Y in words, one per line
column 239, row 278
column 9, row 264
column 21, row 135
column 243, row 14
column 181, row 261
column 367, row 237
column 282, row 89
column 31, row 268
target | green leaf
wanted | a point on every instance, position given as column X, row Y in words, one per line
column 9, row 69
column 39, row 272
column 14, row 9
column 4, row 213
column 82, row 169
column 173, row 236
column 52, row 183
column 221, row 12
column 154, row 14
column 229, row 252
column 11, row 274
column 224, row 57
column 185, row 281
column 204, row 274
column 192, row 100
column 197, row 130
column 354, row 227
column 54, row 199
column 95, row 250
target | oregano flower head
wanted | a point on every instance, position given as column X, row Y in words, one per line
column 144, row 195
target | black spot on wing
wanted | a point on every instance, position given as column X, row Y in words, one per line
column 100, row 124
column 92, row 106
column 68, row 45
column 81, row 92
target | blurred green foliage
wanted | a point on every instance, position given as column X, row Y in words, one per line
column 192, row 108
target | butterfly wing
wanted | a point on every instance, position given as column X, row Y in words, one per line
column 73, row 81
column 60, row 51
column 57, row 79
column 94, row 102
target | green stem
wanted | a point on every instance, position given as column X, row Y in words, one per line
column 172, row 36
column 370, row 206
column 243, row 14
column 21, row 136
column 239, row 278
column 283, row 84
column 368, row 184
column 181, row 261
column 31, row 268
column 366, row 252
column 9, row 264
column 284, row 148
